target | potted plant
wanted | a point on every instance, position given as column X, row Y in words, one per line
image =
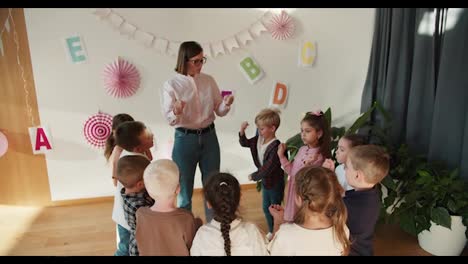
column 429, row 201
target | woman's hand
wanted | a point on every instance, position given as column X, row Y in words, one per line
column 178, row 107
column 228, row 100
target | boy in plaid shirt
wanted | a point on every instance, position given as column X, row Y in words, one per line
column 130, row 173
column 264, row 148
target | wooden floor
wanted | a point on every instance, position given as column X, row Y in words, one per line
column 88, row 229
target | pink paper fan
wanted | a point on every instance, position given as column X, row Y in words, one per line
column 97, row 129
column 281, row 26
column 121, row 78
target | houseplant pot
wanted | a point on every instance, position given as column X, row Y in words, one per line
column 441, row 241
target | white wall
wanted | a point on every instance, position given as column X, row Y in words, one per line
column 69, row 93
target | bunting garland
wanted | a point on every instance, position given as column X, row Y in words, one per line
column 171, row 47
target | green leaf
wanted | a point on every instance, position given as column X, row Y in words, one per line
column 293, row 154
column 454, row 174
column 424, row 174
column 422, row 223
column 412, row 197
column 389, row 183
column 337, row 132
column 441, row 217
column 360, row 121
column 407, row 223
column 384, row 113
column 328, row 116
column 259, row 186
column 452, row 206
column 389, row 200
column 465, row 221
column 295, row 140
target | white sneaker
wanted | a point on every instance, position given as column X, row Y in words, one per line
column 269, row 236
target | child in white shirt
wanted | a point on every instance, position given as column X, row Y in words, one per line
column 344, row 145
column 226, row 234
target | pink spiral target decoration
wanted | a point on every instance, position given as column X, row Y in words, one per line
column 121, row 79
column 97, row 129
column 281, row 26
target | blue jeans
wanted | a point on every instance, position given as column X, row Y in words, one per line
column 272, row 196
column 188, row 151
column 124, row 240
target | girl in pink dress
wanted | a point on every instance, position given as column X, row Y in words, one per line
column 315, row 133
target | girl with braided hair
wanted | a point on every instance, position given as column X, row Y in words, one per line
column 226, row 234
column 319, row 226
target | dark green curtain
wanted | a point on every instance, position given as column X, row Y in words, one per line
column 418, row 71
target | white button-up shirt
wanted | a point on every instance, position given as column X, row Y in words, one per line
column 201, row 95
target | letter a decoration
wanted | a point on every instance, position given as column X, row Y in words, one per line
column 40, row 140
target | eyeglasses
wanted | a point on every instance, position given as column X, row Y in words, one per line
column 197, row 62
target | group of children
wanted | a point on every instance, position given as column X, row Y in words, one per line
column 327, row 211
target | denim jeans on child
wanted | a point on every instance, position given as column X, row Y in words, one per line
column 271, row 196
column 189, row 150
column 124, row 240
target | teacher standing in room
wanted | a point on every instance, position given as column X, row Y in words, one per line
column 189, row 101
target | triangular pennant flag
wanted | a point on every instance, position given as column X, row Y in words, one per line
column 258, row 28
column 244, row 37
column 207, row 49
column 267, row 16
column 161, row 45
column 102, row 12
column 128, row 29
column 217, row 48
column 173, row 48
column 231, row 43
column 1, row 45
column 144, row 37
column 115, row 20
column 7, row 25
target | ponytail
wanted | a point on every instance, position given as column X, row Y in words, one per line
column 225, row 218
column 222, row 191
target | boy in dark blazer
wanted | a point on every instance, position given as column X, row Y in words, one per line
column 264, row 148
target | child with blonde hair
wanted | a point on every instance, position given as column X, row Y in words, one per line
column 264, row 148
column 319, row 226
column 163, row 229
column 226, row 234
column 365, row 167
column 315, row 133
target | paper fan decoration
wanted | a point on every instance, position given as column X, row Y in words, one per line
column 281, row 26
column 3, row 144
column 121, row 78
column 97, row 129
